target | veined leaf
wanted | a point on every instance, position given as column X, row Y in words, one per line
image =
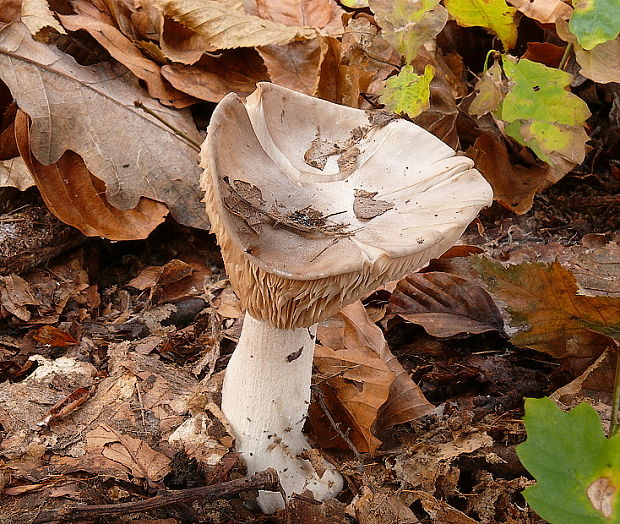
column 408, row 92
column 576, row 467
column 494, row 15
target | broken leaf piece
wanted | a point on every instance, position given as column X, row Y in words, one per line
column 366, row 207
column 36, row 14
column 494, row 15
column 408, row 92
column 576, row 467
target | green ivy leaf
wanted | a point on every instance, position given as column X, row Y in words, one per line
column 595, row 21
column 408, row 24
column 543, row 114
column 408, row 92
column 576, row 467
column 495, row 15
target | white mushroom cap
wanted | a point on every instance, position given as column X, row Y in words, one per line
column 316, row 204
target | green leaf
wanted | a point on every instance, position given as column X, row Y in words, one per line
column 355, row 4
column 542, row 114
column 576, row 467
column 595, row 21
column 408, row 24
column 495, row 15
column 408, row 92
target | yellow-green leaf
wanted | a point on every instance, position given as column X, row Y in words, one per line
column 490, row 91
column 408, row 92
column 542, row 114
column 595, row 22
column 494, row 15
column 408, row 24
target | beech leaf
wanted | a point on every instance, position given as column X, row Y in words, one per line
column 494, row 15
column 90, row 110
column 445, row 305
column 543, row 302
column 36, row 14
column 224, row 24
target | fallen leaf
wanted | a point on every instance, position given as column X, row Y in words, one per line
column 76, row 197
column 441, row 511
column 212, row 78
column 600, row 63
column 14, row 173
column 224, row 24
column 444, row 305
column 54, row 337
column 545, row 11
column 16, row 295
column 494, row 15
column 142, row 158
column 306, row 13
column 545, row 53
column 543, row 302
column 36, row 14
column 408, row 25
column 382, row 507
column 595, row 22
column 490, row 91
column 408, row 92
column 93, row 16
column 366, row 207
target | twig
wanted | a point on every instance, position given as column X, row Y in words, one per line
column 265, row 480
column 177, row 131
column 614, row 426
column 336, row 426
column 564, row 59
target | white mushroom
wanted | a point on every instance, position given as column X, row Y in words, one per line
column 314, row 206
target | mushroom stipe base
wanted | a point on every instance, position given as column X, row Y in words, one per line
column 265, row 398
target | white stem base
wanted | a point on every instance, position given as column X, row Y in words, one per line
column 265, row 398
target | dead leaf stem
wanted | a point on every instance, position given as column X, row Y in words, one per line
column 176, row 131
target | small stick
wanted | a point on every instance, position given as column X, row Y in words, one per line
column 182, row 134
column 265, row 480
column 614, row 427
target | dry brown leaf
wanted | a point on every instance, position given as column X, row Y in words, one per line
column 14, row 173
column 11, row 11
column 383, row 507
column 37, row 15
column 92, row 16
column 53, row 336
column 77, row 198
column 224, row 24
column 544, row 53
column 15, row 295
column 82, row 109
column 405, row 401
column 543, row 302
column 440, row 511
column 212, row 78
column 129, row 453
column 545, row 11
column 306, row 13
column 514, row 183
column 444, row 305
column 295, row 65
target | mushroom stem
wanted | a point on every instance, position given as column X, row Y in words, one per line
column 265, row 397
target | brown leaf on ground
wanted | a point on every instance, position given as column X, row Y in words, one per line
column 15, row 173
column 514, row 182
column 93, row 16
column 543, row 302
column 38, row 17
column 382, row 507
column 212, row 78
column 15, row 297
column 141, row 158
column 441, row 511
column 444, row 305
column 544, row 53
column 225, row 24
column 338, row 82
column 545, row 11
column 307, row 13
column 76, row 197
column 54, row 337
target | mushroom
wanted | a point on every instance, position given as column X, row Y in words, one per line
column 315, row 205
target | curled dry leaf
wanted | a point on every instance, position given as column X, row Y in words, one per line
column 79, row 109
column 444, row 305
column 36, row 14
column 545, row 11
column 77, row 198
column 93, row 16
column 224, row 24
